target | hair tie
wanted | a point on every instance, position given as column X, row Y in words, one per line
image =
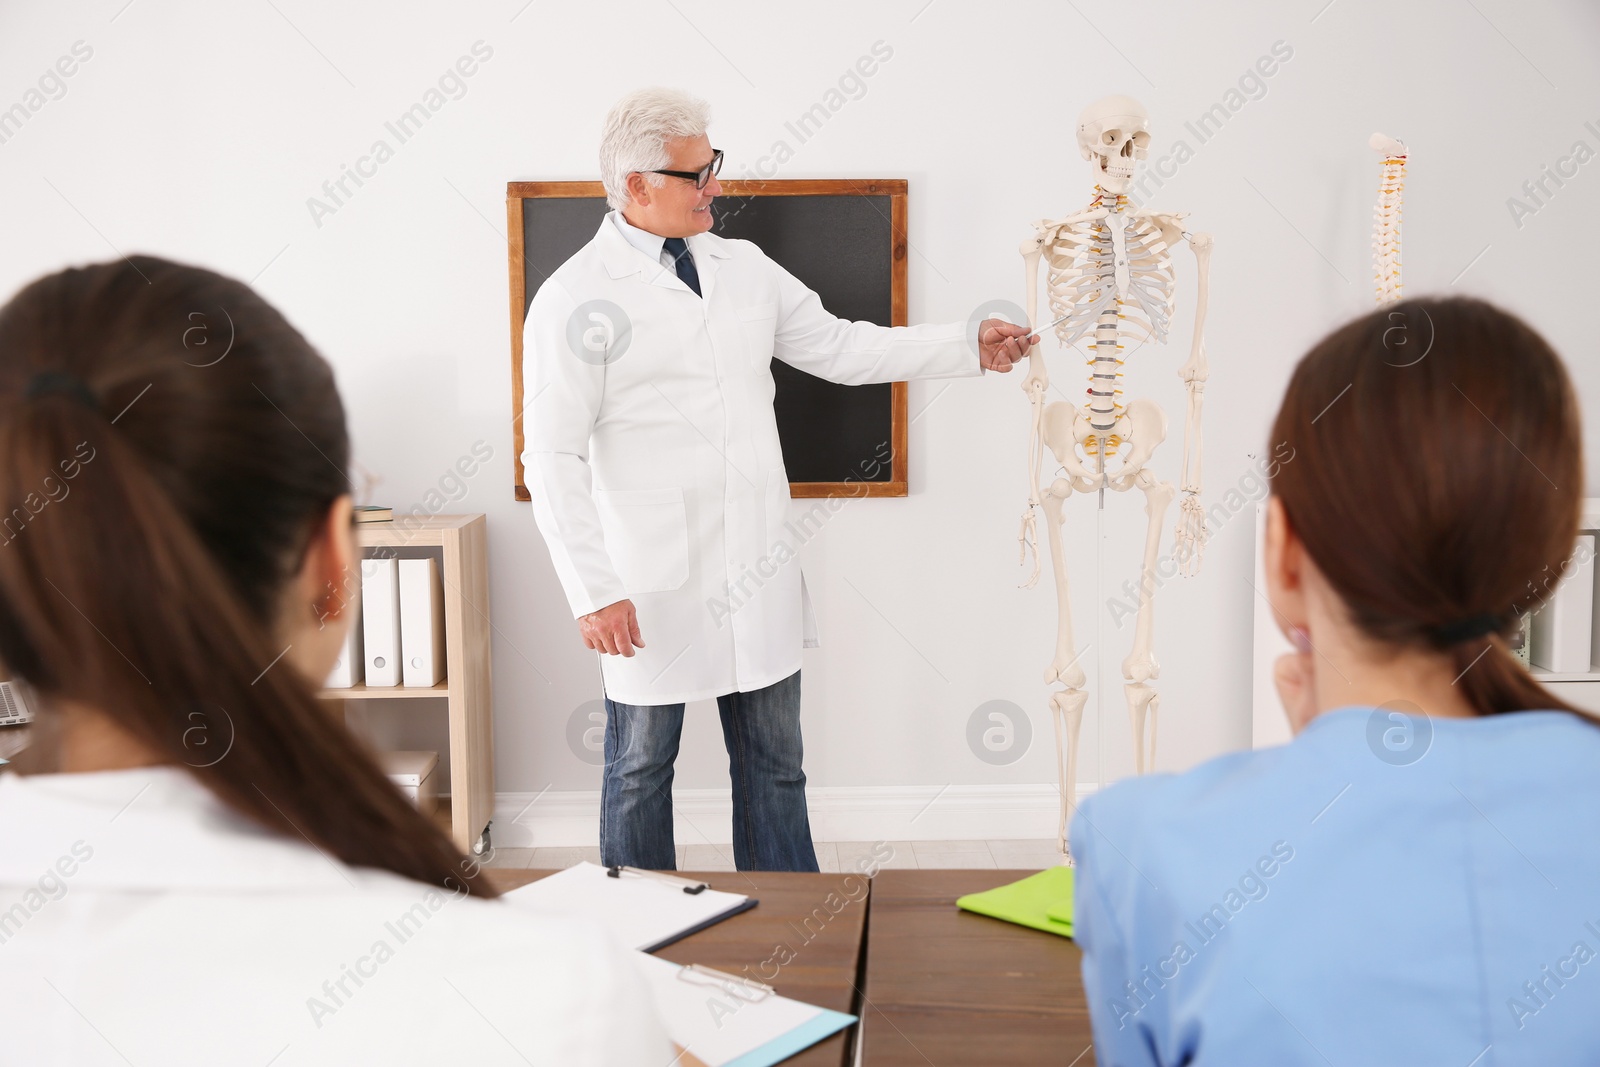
column 54, row 381
column 1453, row 633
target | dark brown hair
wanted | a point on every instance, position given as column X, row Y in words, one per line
column 1436, row 481
column 151, row 523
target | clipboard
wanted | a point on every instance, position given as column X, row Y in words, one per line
column 727, row 1020
column 646, row 912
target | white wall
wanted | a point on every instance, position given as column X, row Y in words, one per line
column 200, row 130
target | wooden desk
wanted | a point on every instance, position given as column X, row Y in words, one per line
column 949, row 987
column 796, row 913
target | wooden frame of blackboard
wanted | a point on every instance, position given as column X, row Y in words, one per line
column 898, row 483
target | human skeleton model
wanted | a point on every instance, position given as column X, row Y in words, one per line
column 1109, row 272
column 1386, row 218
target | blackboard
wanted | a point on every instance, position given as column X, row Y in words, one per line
column 844, row 239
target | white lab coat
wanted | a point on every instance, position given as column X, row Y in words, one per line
column 143, row 922
column 657, row 475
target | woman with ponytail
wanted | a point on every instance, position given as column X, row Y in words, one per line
column 1414, row 878
column 202, row 865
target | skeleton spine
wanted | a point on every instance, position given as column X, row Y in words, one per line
column 1105, row 378
column 1386, row 230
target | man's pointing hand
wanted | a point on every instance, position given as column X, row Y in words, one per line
column 1000, row 344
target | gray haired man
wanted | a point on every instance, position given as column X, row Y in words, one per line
column 658, row 480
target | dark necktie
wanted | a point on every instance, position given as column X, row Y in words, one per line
column 683, row 260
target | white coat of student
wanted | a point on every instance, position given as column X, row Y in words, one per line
column 208, row 868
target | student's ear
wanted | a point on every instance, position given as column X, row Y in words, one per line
column 342, row 560
column 1285, row 561
column 323, row 599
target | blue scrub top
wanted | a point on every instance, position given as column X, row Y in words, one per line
column 1383, row 889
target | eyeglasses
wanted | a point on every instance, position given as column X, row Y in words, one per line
column 699, row 177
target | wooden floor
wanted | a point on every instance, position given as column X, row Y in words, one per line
column 832, row 856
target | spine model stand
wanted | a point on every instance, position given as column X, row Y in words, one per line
column 1109, row 276
column 1386, row 218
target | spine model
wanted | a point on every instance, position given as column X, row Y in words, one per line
column 1386, row 219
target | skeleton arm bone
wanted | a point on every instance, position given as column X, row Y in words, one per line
column 1035, row 384
column 1191, row 532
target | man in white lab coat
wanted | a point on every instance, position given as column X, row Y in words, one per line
column 658, row 482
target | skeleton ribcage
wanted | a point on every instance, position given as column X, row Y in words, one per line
column 1081, row 261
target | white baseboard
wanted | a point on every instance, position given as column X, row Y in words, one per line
column 838, row 813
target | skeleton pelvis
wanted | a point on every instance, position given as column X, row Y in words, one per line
column 1138, row 430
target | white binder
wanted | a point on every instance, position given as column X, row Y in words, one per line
column 347, row 669
column 1560, row 637
column 421, row 622
column 380, row 620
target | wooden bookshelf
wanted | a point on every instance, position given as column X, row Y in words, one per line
column 1581, row 688
column 467, row 687
column 387, row 692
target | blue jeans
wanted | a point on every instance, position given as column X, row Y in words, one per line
column 771, row 830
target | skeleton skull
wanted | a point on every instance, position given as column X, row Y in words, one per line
column 1113, row 135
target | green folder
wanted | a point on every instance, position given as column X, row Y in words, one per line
column 1042, row 901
